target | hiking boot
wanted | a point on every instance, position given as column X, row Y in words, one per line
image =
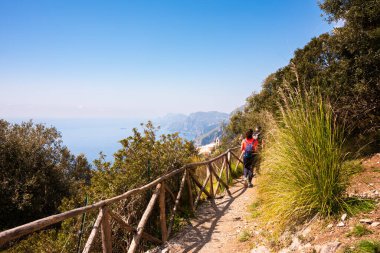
column 250, row 185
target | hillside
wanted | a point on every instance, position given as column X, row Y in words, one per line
column 234, row 224
column 201, row 127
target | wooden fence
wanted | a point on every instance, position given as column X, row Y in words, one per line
column 102, row 223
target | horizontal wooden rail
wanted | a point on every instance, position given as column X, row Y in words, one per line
column 105, row 214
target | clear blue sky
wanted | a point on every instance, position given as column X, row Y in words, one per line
column 136, row 58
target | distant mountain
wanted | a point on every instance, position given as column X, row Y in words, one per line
column 201, row 127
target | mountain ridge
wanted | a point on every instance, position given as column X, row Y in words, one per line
column 200, row 127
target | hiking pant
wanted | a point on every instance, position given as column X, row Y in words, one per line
column 248, row 167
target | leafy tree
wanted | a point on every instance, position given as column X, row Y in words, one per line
column 357, row 45
column 36, row 172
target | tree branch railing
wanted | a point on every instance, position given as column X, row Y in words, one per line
column 102, row 222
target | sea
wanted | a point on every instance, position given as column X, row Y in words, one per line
column 91, row 136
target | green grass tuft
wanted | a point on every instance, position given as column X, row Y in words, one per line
column 359, row 230
column 302, row 172
column 244, row 236
column 254, row 209
column 355, row 206
column 365, row 246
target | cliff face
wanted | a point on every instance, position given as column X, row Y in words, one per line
column 201, row 127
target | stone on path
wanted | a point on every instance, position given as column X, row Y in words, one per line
column 369, row 221
column 260, row 249
column 330, row 247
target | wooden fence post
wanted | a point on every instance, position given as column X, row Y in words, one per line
column 183, row 180
column 228, row 166
column 164, row 230
column 209, row 174
column 219, row 178
column 191, row 199
column 140, row 227
column 94, row 230
column 106, row 231
column 201, row 187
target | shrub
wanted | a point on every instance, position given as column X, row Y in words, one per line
column 36, row 172
column 302, row 172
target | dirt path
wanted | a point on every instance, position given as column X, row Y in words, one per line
column 216, row 227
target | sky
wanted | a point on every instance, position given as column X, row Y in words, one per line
column 139, row 58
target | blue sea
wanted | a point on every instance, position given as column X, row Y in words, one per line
column 91, row 136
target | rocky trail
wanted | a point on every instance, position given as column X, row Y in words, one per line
column 217, row 226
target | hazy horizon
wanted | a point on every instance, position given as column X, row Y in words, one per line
column 93, row 135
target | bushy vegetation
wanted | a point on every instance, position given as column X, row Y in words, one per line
column 142, row 158
column 36, row 172
column 302, row 173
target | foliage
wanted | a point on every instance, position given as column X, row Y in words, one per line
column 142, row 158
column 343, row 64
column 302, row 173
column 36, row 172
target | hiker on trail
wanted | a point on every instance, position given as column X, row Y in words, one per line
column 258, row 136
column 260, row 145
column 249, row 149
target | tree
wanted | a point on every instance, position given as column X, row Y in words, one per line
column 36, row 172
column 357, row 44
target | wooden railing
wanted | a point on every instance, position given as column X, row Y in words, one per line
column 102, row 222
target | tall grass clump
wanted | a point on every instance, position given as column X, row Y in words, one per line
column 302, row 172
